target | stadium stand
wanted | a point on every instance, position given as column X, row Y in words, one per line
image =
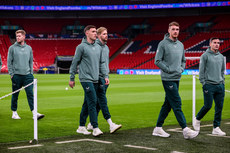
column 4, row 45
column 46, row 50
column 141, row 51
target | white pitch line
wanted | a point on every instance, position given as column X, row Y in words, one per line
column 100, row 141
column 218, row 136
column 22, row 147
column 140, row 147
column 227, row 91
column 227, row 123
column 175, row 130
column 80, row 140
column 176, row 152
column 208, row 125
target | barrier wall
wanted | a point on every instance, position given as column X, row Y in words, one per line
column 157, row 72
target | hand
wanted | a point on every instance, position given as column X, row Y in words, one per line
column 106, row 81
column 71, row 84
column 11, row 76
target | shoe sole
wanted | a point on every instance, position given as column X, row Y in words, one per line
column 97, row 135
column 218, row 134
column 40, row 117
column 83, row 133
column 192, row 136
column 158, row 135
column 16, row 118
column 111, row 132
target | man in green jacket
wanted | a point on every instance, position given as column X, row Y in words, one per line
column 211, row 75
column 20, row 67
column 89, row 59
column 170, row 58
column 102, row 34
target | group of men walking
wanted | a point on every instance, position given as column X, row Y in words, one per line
column 92, row 57
column 92, row 60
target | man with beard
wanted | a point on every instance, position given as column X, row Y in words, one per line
column 102, row 34
column 88, row 58
column 170, row 58
column 20, row 67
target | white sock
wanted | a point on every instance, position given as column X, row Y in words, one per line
column 110, row 121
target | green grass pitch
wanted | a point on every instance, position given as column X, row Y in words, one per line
column 134, row 101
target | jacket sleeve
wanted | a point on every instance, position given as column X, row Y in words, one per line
column 160, row 57
column 31, row 61
column 0, row 62
column 102, row 67
column 10, row 61
column 203, row 61
column 76, row 61
column 223, row 70
column 183, row 61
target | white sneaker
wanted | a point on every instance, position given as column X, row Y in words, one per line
column 158, row 131
column 196, row 124
column 39, row 116
column 83, row 130
column 114, row 127
column 89, row 126
column 218, row 131
column 97, row 132
column 189, row 134
column 15, row 116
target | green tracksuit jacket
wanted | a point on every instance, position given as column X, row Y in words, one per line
column 20, row 59
column 212, row 67
column 170, row 58
column 105, row 55
column 89, row 59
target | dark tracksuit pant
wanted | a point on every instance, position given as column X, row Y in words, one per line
column 210, row 92
column 17, row 82
column 102, row 100
column 101, row 103
column 172, row 101
column 89, row 105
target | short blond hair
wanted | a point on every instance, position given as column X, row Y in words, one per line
column 174, row 23
column 21, row 31
column 100, row 30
